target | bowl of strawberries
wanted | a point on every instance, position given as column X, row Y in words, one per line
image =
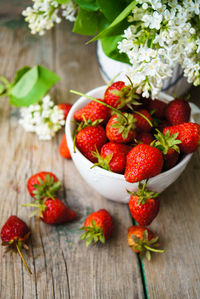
column 117, row 139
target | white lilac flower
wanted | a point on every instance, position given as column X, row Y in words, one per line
column 44, row 14
column 164, row 35
column 43, row 118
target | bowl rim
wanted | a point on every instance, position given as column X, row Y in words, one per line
column 68, row 130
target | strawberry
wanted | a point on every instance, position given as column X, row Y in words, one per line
column 112, row 157
column 188, row 134
column 143, row 162
column 89, row 139
column 121, row 128
column 65, row 107
column 143, row 205
column 168, row 145
column 178, row 112
column 144, row 137
column 53, row 211
column 14, row 235
column 119, row 95
column 144, row 120
column 43, row 184
column 157, row 107
column 63, row 149
column 93, row 111
column 163, row 124
column 142, row 241
column 98, row 226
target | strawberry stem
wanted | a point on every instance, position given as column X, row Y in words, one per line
column 153, row 249
column 150, row 123
column 23, row 260
column 31, row 205
column 49, row 195
column 100, row 102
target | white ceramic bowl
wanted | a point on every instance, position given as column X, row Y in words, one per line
column 112, row 185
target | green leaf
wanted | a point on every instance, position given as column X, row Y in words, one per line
column 109, row 45
column 62, row 1
column 89, row 5
column 112, row 8
column 89, row 22
column 20, row 73
column 117, row 21
column 32, row 86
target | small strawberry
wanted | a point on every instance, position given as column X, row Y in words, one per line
column 89, row 139
column 98, row 227
column 121, row 128
column 144, row 120
column 188, row 134
column 112, row 157
column 43, row 184
column 158, row 108
column 14, row 235
column 143, row 162
column 119, row 95
column 53, row 211
column 144, row 137
column 178, row 112
column 63, row 149
column 143, row 205
column 65, row 107
column 93, row 111
column 142, row 241
column 168, row 145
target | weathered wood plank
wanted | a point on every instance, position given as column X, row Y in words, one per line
column 176, row 273
column 62, row 266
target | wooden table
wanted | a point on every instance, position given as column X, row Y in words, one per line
column 62, row 266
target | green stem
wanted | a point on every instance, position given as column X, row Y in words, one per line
column 100, row 102
column 150, row 123
column 23, row 260
column 153, row 249
column 49, row 195
column 31, row 205
column 5, row 81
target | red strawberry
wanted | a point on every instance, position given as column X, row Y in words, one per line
column 188, row 134
column 89, row 139
column 178, row 112
column 143, row 162
column 144, row 137
column 158, row 107
column 119, row 95
column 53, row 211
column 113, row 156
column 142, row 124
column 98, row 227
column 14, row 234
column 143, row 205
column 92, row 111
column 63, row 149
column 143, row 241
column 168, row 145
column 65, row 107
column 121, row 129
column 43, row 184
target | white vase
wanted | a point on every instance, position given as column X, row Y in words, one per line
column 176, row 85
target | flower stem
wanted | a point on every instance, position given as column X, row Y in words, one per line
column 23, row 260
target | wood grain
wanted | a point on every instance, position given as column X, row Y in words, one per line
column 62, row 266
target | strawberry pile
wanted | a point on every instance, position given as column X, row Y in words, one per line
column 130, row 135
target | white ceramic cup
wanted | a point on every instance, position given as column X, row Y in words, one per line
column 111, row 185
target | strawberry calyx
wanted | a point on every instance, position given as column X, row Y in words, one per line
column 127, row 96
column 46, row 188
column 143, row 193
column 84, row 124
column 102, row 162
column 124, row 126
column 145, row 246
column 40, row 205
column 164, row 142
column 93, row 233
column 17, row 244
